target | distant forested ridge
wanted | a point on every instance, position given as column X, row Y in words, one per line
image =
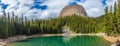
column 109, row 23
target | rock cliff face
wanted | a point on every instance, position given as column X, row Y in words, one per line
column 73, row 9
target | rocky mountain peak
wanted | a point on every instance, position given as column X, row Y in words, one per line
column 73, row 9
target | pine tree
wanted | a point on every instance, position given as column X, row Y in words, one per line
column 4, row 16
column 13, row 17
column 22, row 19
column 118, row 14
column 107, row 21
column 8, row 17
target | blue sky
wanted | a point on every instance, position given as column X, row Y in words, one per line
column 51, row 8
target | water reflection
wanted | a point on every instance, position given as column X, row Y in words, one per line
column 63, row 41
column 68, row 38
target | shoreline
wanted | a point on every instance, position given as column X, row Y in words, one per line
column 23, row 37
column 111, row 39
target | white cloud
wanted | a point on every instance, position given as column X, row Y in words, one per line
column 94, row 8
column 54, row 7
column 18, row 6
column 110, row 2
column 1, row 11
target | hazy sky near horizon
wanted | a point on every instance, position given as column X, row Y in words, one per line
column 51, row 8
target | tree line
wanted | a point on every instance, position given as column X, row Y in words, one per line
column 112, row 19
column 109, row 23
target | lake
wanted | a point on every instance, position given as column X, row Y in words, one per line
column 63, row 41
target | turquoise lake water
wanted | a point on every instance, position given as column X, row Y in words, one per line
column 63, row 41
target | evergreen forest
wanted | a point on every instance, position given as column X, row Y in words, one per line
column 109, row 23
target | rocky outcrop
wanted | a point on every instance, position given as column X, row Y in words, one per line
column 3, row 42
column 118, row 42
column 73, row 9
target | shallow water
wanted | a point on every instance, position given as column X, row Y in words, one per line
column 62, row 41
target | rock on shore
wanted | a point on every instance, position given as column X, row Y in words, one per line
column 11, row 39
